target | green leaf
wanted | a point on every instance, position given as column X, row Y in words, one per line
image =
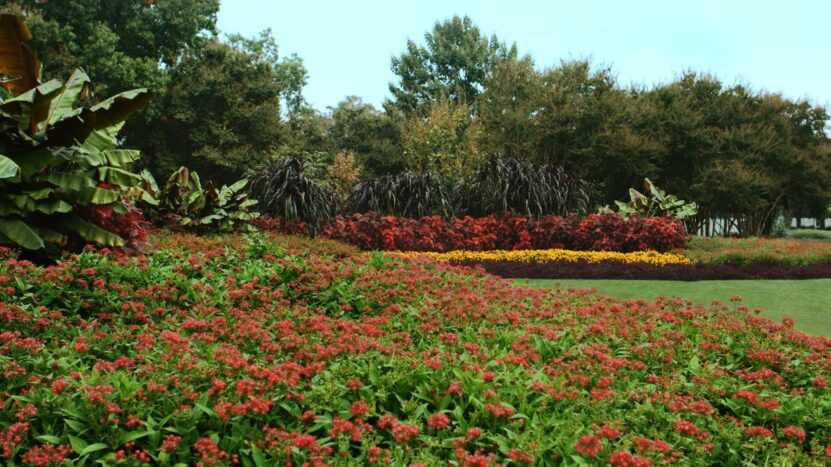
column 257, row 456
column 92, row 233
column 33, row 162
column 71, row 181
column 49, row 439
column 20, row 233
column 93, row 448
column 137, row 435
column 32, row 107
column 77, row 426
column 70, row 96
column 108, row 115
column 8, row 168
column 52, row 236
column 96, row 195
column 118, row 177
column 78, row 445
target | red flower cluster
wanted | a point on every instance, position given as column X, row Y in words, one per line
column 597, row 232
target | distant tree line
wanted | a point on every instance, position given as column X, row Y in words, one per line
column 225, row 104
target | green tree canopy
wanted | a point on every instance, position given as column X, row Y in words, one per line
column 120, row 43
column 453, row 65
column 222, row 110
column 374, row 136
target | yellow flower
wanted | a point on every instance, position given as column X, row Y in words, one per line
column 545, row 256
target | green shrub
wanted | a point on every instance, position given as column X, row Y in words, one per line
column 810, row 234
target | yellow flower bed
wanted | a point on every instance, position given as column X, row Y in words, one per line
column 545, row 256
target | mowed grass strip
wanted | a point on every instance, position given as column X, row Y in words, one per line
column 806, row 301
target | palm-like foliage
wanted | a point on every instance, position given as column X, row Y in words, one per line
column 522, row 187
column 187, row 203
column 58, row 159
column 284, row 190
column 406, row 194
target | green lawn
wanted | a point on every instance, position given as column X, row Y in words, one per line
column 806, row 301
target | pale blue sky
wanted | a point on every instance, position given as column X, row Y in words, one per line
column 776, row 46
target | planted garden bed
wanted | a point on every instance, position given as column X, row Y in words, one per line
column 229, row 350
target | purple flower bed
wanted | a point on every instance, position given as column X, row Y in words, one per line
column 676, row 272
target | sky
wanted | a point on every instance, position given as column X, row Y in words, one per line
column 346, row 46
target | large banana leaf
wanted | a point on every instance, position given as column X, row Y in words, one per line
column 97, row 195
column 66, row 102
column 119, row 177
column 20, row 233
column 31, row 107
column 70, row 181
column 91, row 232
column 25, row 204
column 16, row 58
column 111, row 112
column 8, row 168
column 32, row 162
column 103, row 139
column 52, row 236
column 113, row 157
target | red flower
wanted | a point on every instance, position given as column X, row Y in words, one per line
column 438, row 421
column 588, row 445
column 359, row 408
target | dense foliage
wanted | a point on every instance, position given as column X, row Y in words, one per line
column 444, row 143
column 222, row 110
column 184, row 203
column 62, row 175
column 226, row 351
column 597, row 232
column 225, row 105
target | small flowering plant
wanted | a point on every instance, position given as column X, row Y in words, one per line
column 233, row 351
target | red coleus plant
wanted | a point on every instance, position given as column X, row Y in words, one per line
column 597, row 232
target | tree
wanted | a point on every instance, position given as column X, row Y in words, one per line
column 573, row 115
column 374, row 136
column 507, row 109
column 453, row 66
column 343, row 173
column 120, row 43
column 222, row 111
column 445, row 143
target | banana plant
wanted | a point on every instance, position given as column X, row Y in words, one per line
column 188, row 204
column 59, row 158
column 658, row 203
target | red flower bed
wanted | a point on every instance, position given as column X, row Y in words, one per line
column 229, row 351
column 597, row 232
